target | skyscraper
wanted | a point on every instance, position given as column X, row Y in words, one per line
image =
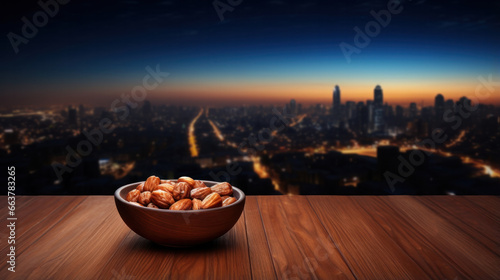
column 439, row 107
column 378, row 110
column 378, row 120
column 378, row 96
column 293, row 106
column 370, row 106
column 399, row 112
column 350, row 109
column 464, row 102
column 413, row 110
column 362, row 117
column 336, row 105
column 449, row 105
column 72, row 117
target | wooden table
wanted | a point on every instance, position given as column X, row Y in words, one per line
column 297, row 237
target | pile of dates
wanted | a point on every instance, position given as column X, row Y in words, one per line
column 185, row 194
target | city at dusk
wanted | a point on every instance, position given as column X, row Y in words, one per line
column 192, row 82
column 237, row 139
column 262, row 52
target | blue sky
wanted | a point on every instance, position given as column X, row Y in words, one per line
column 269, row 46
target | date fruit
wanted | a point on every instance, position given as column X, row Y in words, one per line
column 183, row 204
column 200, row 193
column 223, row 189
column 213, row 200
column 140, row 187
column 199, row 184
column 186, row 179
column 144, row 198
column 162, row 199
column 151, row 183
column 133, row 195
column 181, row 190
column 166, row 187
column 183, row 194
column 196, row 204
column 228, row 201
column 152, row 205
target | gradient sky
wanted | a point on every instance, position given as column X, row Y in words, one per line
column 263, row 52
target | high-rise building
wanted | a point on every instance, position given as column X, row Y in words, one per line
column 72, row 117
column 378, row 96
column 439, row 106
column 378, row 110
column 426, row 113
column 336, row 105
column 449, row 105
column 350, row 109
column 388, row 111
column 336, row 97
column 370, row 107
column 293, row 106
column 378, row 120
column 362, row 117
column 399, row 112
column 413, row 110
column 336, row 108
column 464, row 103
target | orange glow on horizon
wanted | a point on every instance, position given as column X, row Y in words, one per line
column 308, row 93
column 262, row 92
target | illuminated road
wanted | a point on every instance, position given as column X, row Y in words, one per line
column 219, row 134
column 489, row 171
column 216, row 131
column 459, row 139
column 193, row 148
column 258, row 168
column 299, row 120
column 294, row 123
column 261, row 171
column 371, row 151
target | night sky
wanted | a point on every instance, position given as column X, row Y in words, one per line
column 263, row 52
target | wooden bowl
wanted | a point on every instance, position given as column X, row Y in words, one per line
column 179, row 228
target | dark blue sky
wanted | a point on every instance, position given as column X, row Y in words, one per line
column 274, row 48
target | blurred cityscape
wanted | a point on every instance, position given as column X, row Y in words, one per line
column 355, row 148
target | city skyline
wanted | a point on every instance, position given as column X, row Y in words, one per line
column 326, row 99
column 262, row 52
column 290, row 149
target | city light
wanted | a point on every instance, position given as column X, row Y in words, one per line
column 216, row 130
column 312, row 155
column 489, row 171
column 193, row 148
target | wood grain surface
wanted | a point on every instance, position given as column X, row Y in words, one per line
column 278, row 237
